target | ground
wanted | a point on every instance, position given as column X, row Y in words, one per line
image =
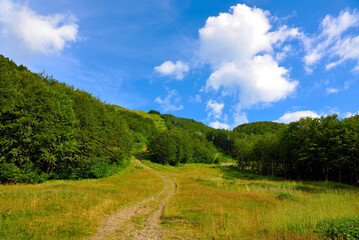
column 193, row 201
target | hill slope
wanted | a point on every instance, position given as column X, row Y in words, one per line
column 259, row 127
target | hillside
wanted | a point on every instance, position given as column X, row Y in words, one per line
column 173, row 122
column 49, row 130
column 259, row 128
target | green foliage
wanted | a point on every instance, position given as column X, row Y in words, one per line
column 190, row 125
column 49, row 130
column 317, row 149
column 154, row 112
column 340, row 228
column 178, row 146
column 259, row 128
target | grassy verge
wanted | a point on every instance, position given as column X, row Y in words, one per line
column 70, row 209
column 218, row 202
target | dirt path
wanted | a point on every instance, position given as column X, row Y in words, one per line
column 141, row 220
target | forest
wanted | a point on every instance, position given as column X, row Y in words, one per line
column 49, row 130
column 320, row 149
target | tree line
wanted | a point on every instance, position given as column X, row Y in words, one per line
column 180, row 146
column 49, row 130
column 325, row 148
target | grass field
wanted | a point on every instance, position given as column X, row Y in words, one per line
column 70, row 209
column 211, row 202
column 218, row 202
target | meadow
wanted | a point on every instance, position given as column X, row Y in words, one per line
column 219, row 202
column 71, row 209
column 211, row 202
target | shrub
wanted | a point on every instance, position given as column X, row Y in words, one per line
column 340, row 228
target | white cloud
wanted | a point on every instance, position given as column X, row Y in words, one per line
column 43, row 34
column 344, row 50
column 349, row 114
column 170, row 102
column 258, row 80
column 177, row 70
column 197, row 99
column 286, row 50
column 329, row 41
column 239, row 46
column 214, row 108
column 219, row 125
column 295, row 116
column 332, row 90
column 239, row 118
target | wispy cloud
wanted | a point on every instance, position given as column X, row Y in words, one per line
column 171, row 102
column 332, row 90
column 214, row 109
column 332, row 41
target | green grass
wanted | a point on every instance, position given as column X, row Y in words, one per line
column 157, row 120
column 70, row 209
column 211, row 202
column 218, row 202
column 224, row 158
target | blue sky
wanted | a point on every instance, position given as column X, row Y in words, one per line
column 219, row 62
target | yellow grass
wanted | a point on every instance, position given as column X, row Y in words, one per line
column 70, row 209
column 210, row 204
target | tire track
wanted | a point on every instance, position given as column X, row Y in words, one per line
column 140, row 220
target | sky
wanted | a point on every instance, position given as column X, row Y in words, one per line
column 223, row 63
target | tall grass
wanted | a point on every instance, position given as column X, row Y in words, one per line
column 70, row 209
column 214, row 202
column 211, row 202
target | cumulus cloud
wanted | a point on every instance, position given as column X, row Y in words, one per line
column 219, row 125
column 170, row 102
column 35, row 33
column 214, row 109
column 177, row 70
column 330, row 42
column 295, row 116
column 239, row 47
column 259, row 80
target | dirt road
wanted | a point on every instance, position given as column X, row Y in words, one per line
column 140, row 220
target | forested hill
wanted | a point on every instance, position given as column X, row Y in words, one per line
column 259, row 127
column 49, row 130
column 191, row 125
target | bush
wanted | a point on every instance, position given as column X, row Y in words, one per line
column 340, row 228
